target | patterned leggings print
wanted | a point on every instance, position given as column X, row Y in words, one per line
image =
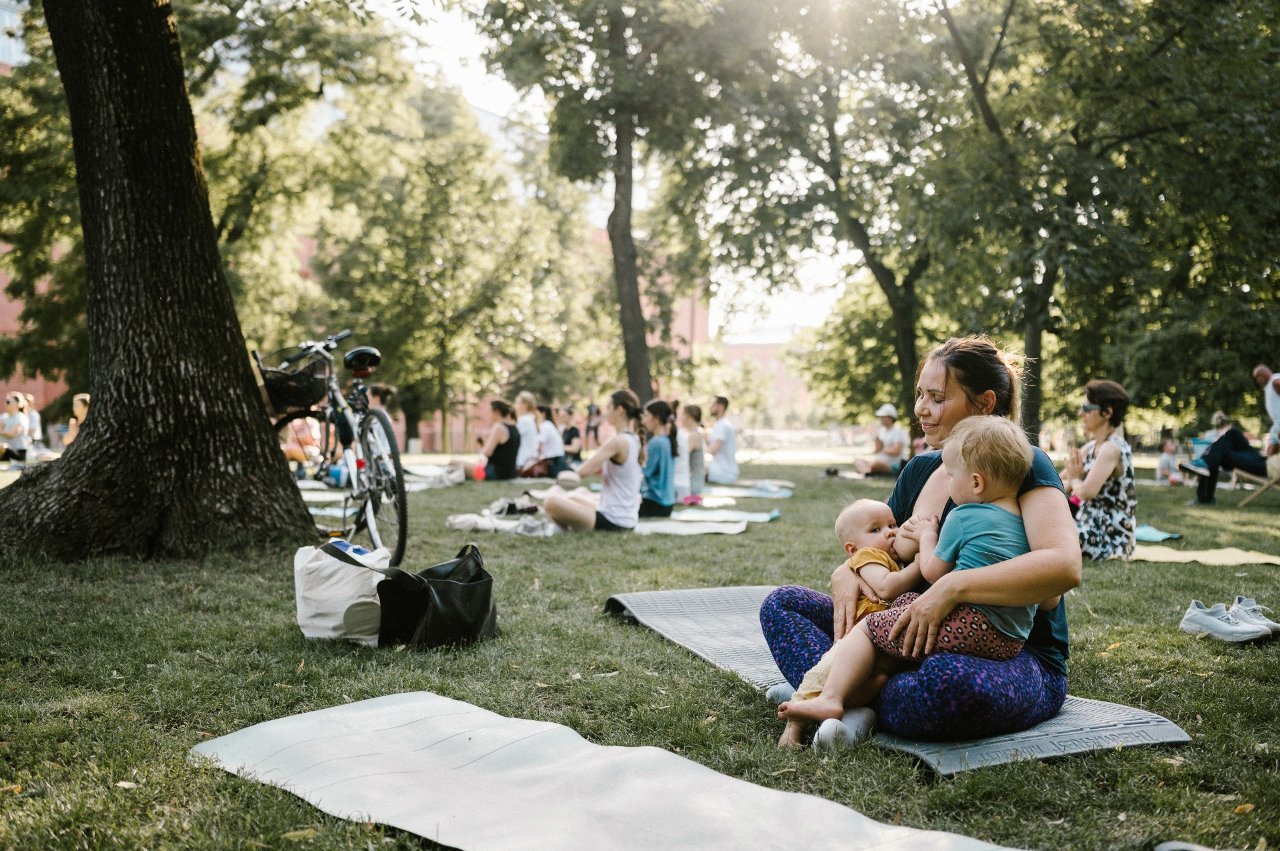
column 951, row 696
column 966, row 630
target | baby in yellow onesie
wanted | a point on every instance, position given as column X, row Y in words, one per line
column 869, row 535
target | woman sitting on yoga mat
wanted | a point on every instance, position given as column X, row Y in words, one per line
column 618, row 463
column 951, row 696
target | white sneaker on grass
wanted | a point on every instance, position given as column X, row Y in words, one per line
column 1248, row 610
column 1217, row 622
column 855, row 727
column 780, row 693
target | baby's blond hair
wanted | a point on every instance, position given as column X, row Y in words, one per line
column 848, row 515
column 992, row 446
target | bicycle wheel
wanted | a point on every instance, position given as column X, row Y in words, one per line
column 308, row 438
column 387, row 513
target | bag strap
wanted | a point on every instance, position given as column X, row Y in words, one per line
column 343, row 551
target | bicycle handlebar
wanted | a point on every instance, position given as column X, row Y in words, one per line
column 328, row 344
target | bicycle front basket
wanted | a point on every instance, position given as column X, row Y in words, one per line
column 295, row 382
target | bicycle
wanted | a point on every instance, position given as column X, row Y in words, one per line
column 351, row 448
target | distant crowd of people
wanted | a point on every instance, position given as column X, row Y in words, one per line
column 22, row 436
column 650, row 457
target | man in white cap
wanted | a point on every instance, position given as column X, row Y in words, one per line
column 891, row 446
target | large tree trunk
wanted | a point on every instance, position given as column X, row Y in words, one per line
column 635, row 346
column 176, row 456
column 1035, row 321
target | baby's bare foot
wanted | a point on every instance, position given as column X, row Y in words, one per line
column 819, row 708
column 791, row 735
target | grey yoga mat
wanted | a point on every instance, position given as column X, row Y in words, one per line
column 722, row 626
column 472, row 779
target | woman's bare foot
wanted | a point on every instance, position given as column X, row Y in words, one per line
column 791, row 735
column 819, row 708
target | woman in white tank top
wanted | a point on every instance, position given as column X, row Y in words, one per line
column 618, row 463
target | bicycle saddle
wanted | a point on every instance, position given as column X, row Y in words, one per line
column 362, row 359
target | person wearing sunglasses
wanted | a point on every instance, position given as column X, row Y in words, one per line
column 14, row 427
column 1100, row 475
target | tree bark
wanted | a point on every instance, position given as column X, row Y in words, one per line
column 635, row 346
column 1035, row 320
column 176, row 457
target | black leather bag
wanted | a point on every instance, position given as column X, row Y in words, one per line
column 450, row 603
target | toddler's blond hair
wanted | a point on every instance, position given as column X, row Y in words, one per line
column 993, row 446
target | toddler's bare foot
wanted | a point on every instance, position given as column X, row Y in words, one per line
column 791, row 735
column 818, row 709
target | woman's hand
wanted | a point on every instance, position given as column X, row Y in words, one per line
column 846, row 588
column 1075, row 465
column 917, row 525
column 920, row 622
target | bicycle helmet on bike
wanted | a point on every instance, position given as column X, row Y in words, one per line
column 361, row 360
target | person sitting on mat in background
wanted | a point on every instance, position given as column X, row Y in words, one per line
column 722, row 446
column 550, row 443
column 618, row 464
column 527, row 425
column 1231, row 451
column 1100, row 475
column 868, row 534
column 498, row 448
column 14, row 426
column 1167, row 472
column 691, row 469
column 657, row 488
column 890, row 447
column 79, row 410
column 571, row 435
column 987, row 459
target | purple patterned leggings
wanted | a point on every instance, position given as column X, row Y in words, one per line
column 949, row 697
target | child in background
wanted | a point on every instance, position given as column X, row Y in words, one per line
column 987, row 459
column 1167, row 467
column 868, row 534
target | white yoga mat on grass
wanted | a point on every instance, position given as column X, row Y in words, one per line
column 472, row 779
column 540, row 526
column 669, row 526
column 722, row 515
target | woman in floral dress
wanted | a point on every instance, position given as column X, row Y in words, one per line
column 1100, row 475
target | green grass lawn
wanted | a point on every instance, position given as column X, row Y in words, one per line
column 110, row 670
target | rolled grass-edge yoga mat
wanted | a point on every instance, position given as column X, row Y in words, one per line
column 722, row 626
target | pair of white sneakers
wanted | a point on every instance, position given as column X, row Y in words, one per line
column 1244, row 621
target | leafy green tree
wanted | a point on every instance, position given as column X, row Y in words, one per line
column 825, row 121
column 621, row 79
column 1095, row 138
column 255, row 72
